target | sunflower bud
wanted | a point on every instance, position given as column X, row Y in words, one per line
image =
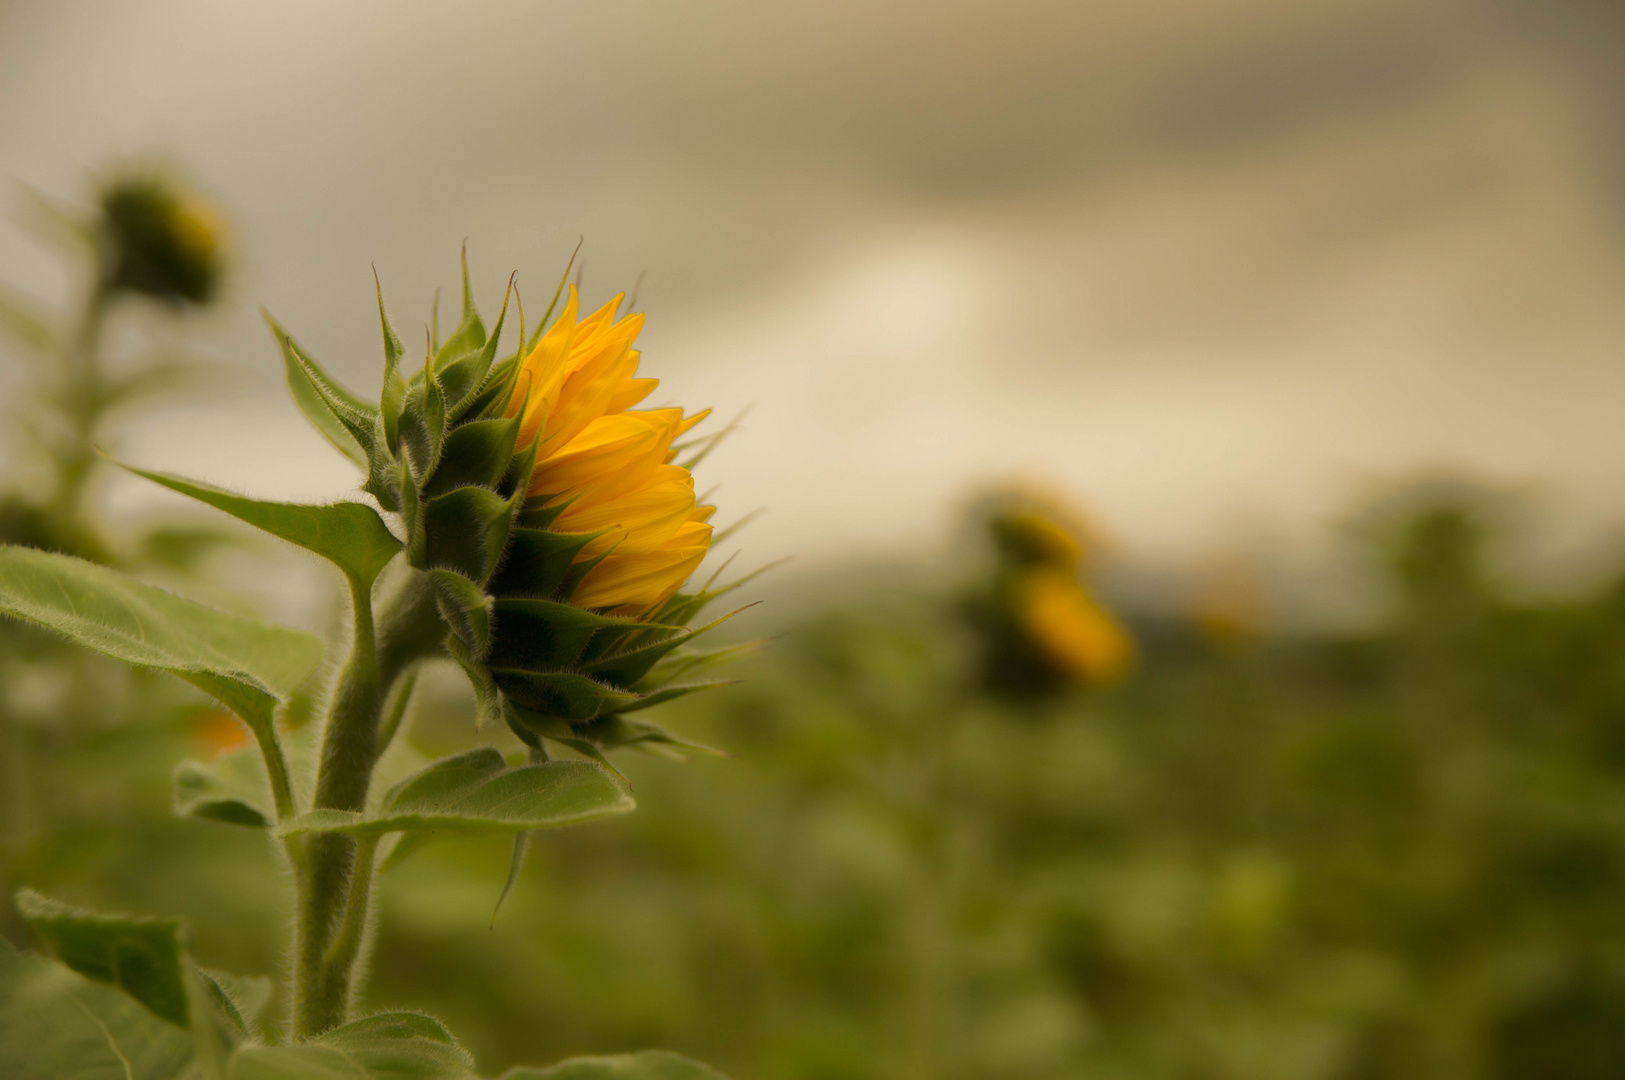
column 1041, row 629
column 551, row 518
column 160, row 240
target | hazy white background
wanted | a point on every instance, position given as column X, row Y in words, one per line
column 1214, row 268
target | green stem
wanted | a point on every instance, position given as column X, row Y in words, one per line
column 342, row 778
column 397, row 711
column 82, row 400
column 276, row 769
column 341, row 954
column 408, row 630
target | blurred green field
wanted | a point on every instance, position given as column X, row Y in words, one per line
column 1391, row 853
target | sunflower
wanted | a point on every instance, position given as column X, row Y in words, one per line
column 606, row 467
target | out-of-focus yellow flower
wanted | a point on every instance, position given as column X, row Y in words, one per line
column 1030, row 537
column 1076, row 637
column 1042, row 629
column 610, row 466
column 161, row 240
column 217, row 733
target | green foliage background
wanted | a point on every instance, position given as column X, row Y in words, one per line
column 1390, row 853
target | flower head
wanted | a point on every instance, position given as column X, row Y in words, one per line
column 606, row 466
column 550, row 518
column 161, row 240
column 1042, row 630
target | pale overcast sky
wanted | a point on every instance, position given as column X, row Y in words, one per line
column 1214, row 268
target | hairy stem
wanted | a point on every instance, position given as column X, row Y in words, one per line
column 408, row 630
column 397, row 711
column 276, row 769
column 346, row 946
column 342, row 779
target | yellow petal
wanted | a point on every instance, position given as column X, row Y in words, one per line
column 633, row 584
column 638, row 521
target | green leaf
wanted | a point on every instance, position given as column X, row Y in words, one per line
column 397, row 1046
column 348, row 534
column 26, row 321
column 246, row 665
column 241, row 998
column 57, row 1024
column 231, row 789
column 338, row 414
column 479, row 791
column 142, row 957
column 162, row 376
column 648, row 1065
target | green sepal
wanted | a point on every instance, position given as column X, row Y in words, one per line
column 478, row 791
column 492, row 400
column 537, row 562
column 552, row 305
column 688, row 661
column 477, row 453
column 393, row 397
column 629, row 667
column 417, row 536
column 537, row 514
column 470, row 332
column 684, row 608
column 465, row 609
column 532, row 727
column 577, row 573
column 616, row 730
column 467, row 531
column 463, row 378
column 561, row 694
column 349, row 423
column 543, row 635
column 385, row 478
column 423, row 424
column 671, row 693
column 349, row 534
column 487, row 698
column 143, row 957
